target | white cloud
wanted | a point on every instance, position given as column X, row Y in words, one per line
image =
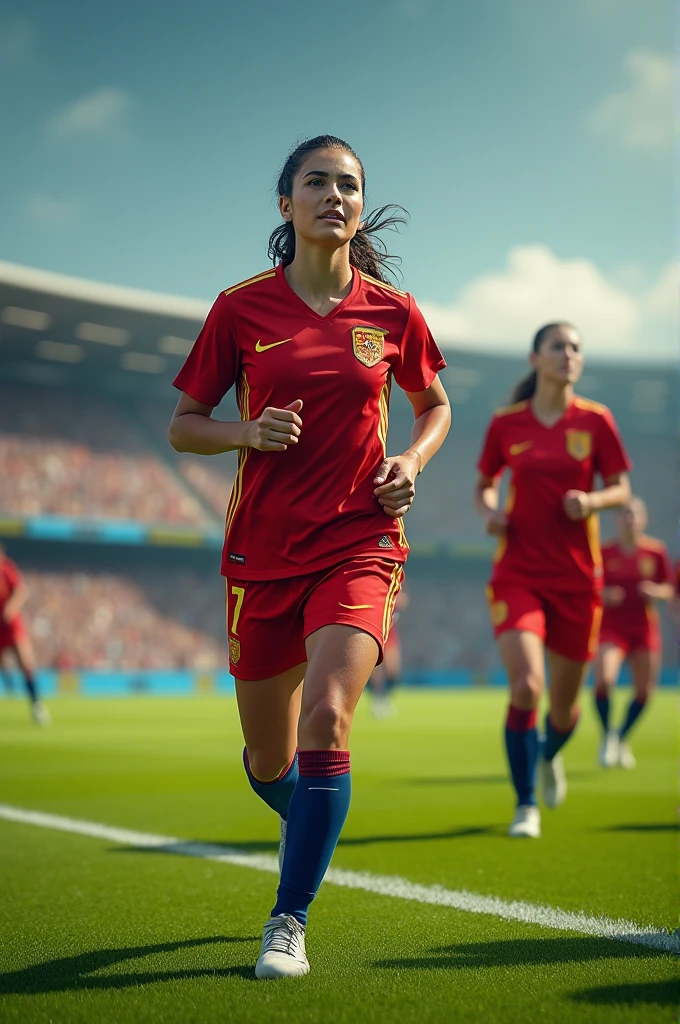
column 101, row 113
column 55, row 213
column 641, row 116
column 501, row 311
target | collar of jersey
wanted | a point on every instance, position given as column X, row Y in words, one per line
column 296, row 301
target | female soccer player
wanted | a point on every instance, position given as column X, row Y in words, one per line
column 637, row 572
column 14, row 636
column 544, row 590
column 315, row 542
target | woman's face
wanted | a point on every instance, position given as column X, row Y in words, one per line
column 327, row 200
column 560, row 357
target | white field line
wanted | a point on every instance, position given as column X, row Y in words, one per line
column 382, row 885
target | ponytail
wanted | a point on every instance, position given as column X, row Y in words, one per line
column 367, row 251
column 526, row 387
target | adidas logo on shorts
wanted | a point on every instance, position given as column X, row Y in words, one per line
column 385, row 542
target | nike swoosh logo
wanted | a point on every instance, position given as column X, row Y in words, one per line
column 354, row 607
column 259, row 347
column 516, row 449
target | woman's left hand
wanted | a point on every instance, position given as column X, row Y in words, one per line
column 396, row 483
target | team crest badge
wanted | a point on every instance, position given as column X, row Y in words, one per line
column 498, row 613
column 646, row 565
column 367, row 344
column 234, row 650
column 579, row 444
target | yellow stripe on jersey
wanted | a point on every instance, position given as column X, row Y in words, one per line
column 382, row 284
column 251, row 280
column 384, row 412
column 403, row 543
column 391, row 599
column 506, row 410
column 593, row 535
column 243, row 401
column 587, row 404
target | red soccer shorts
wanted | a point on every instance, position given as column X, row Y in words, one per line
column 268, row 621
column 568, row 624
column 12, row 633
column 639, row 635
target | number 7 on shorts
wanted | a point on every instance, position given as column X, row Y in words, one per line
column 239, row 594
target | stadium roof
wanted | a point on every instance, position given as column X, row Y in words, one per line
column 61, row 330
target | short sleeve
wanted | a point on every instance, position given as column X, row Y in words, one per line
column 419, row 359
column 610, row 454
column 212, row 365
column 492, row 460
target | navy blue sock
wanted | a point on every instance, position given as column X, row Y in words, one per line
column 521, row 744
column 317, row 812
column 278, row 792
column 602, row 704
column 554, row 738
column 31, row 688
column 635, row 709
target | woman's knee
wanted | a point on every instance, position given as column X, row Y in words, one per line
column 325, row 725
column 525, row 689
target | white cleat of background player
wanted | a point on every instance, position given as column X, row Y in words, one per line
column 626, row 758
column 552, row 780
column 283, row 949
column 527, row 823
column 609, row 750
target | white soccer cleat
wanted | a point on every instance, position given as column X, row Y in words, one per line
column 626, row 756
column 41, row 715
column 526, row 824
column 283, row 949
column 609, row 750
column 552, row 780
column 282, row 844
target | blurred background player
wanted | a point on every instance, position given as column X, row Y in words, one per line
column 544, row 590
column 315, row 542
column 637, row 572
column 385, row 677
column 14, row 638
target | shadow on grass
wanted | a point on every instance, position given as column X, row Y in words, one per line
column 76, row 973
column 197, row 848
column 649, row 993
column 647, row 826
column 521, row 953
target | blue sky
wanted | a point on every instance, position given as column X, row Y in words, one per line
column 530, row 142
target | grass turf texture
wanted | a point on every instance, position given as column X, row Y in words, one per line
column 92, row 931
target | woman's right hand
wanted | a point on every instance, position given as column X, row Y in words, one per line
column 496, row 522
column 275, row 429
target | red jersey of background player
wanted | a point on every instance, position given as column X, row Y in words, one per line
column 635, row 621
column 541, row 543
column 313, row 505
column 10, row 578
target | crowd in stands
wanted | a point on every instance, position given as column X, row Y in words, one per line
column 153, row 619
column 73, row 455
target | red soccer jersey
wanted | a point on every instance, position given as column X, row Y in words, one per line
column 312, row 505
column 542, row 545
column 10, row 578
column 627, row 569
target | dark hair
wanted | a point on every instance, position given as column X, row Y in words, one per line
column 367, row 252
column 526, row 387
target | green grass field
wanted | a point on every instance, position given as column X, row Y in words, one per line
column 91, row 931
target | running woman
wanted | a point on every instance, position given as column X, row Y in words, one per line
column 637, row 572
column 14, row 638
column 315, row 541
column 547, row 574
